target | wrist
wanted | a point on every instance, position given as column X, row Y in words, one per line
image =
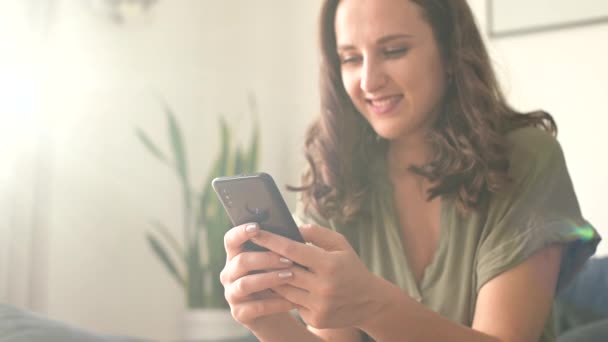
column 270, row 322
column 387, row 303
column 280, row 327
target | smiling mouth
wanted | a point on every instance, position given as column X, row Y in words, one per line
column 384, row 105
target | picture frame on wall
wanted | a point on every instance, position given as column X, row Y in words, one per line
column 518, row 17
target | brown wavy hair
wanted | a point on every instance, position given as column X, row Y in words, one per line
column 467, row 139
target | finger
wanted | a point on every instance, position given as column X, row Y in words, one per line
column 324, row 238
column 266, row 294
column 304, row 279
column 249, row 311
column 293, row 294
column 298, row 252
column 247, row 262
column 237, row 236
column 246, row 286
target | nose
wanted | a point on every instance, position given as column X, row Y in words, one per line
column 373, row 76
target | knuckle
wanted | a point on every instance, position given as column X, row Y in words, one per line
column 237, row 313
column 231, row 295
column 223, row 277
column 239, row 287
column 238, row 260
column 228, row 295
column 227, row 238
column 249, row 311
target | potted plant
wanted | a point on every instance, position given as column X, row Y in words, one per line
column 195, row 260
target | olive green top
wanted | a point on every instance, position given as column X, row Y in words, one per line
column 537, row 209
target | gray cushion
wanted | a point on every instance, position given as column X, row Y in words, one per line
column 18, row 325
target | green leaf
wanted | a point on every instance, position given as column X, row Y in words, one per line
column 217, row 254
column 181, row 165
column 150, row 146
column 253, row 105
column 224, row 156
column 164, row 257
column 254, row 145
column 218, row 169
column 239, row 161
column 177, row 144
column 254, row 150
column 168, row 237
column 195, row 289
column 207, row 195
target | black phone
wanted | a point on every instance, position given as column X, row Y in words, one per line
column 256, row 198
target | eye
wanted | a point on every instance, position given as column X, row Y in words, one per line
column 395, row 52
column 350, row 59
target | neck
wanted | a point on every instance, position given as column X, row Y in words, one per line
column 407, row 151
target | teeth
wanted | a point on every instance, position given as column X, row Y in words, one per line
column 384, row 102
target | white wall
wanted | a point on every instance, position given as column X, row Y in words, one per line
column 564, row 72
column 204, row 57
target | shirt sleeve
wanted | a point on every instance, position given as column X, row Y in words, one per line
column 539, row 208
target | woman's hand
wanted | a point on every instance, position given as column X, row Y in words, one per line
column 248, row 276
column 337, row 290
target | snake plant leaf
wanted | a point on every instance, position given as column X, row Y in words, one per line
column 207, row 196
column 225, row 140
column 216, row 229
column 151, row 146
column 208, row 202
column 254, row 144
column 177, row 145
column 239, row 161
column 251, row 158
column 163, row 231
column 253, row 106
column 162, row 254
column 197, row 261
column 181, row 165
column 195, row 288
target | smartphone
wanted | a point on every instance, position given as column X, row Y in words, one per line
column 256, row 198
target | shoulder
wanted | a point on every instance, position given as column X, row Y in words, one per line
column 531, row 142
column 532, row 150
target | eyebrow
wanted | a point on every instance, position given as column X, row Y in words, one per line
column 382, row 40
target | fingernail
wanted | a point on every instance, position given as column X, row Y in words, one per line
column 285, row 274
column 251, row 228
column 285, row 261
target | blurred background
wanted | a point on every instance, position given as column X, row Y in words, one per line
column 77, row 77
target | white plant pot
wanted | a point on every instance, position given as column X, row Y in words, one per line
column 211, row 325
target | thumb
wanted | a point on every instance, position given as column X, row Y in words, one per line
column 324, row 238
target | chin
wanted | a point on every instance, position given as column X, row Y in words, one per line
column 390, row 132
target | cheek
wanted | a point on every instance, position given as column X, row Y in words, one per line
column 350, row 82
column 427, row 86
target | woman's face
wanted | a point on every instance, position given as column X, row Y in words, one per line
column 391, row 65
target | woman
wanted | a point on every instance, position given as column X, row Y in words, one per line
column 434, row 211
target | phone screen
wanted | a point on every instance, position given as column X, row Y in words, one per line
column 256, row 198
